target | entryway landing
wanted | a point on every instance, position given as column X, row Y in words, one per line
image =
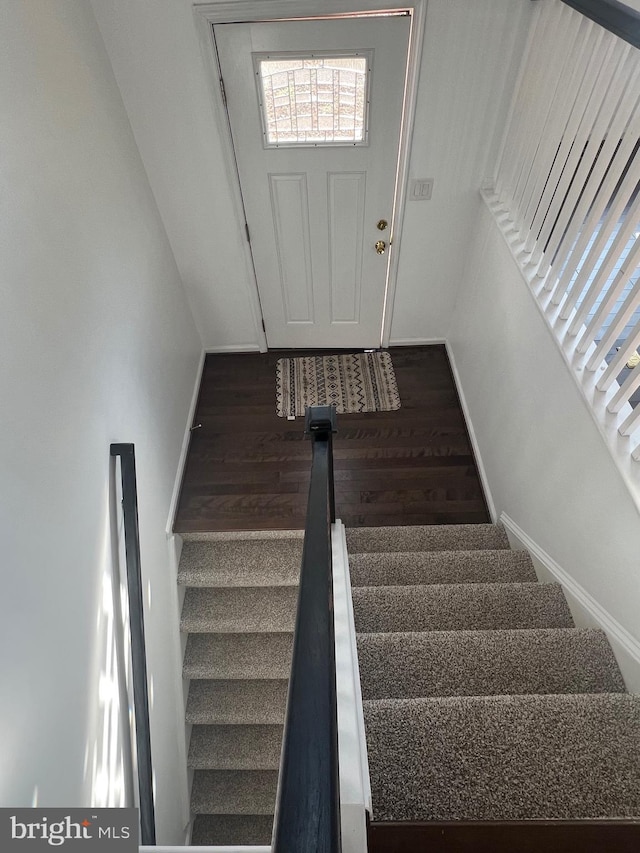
column 248, row 469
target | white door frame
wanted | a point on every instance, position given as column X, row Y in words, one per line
column 244, row 11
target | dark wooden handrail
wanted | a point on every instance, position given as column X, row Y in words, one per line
column 126, row 452
column 307, row 816
column 619, row 19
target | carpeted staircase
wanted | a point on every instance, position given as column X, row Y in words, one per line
column 239, row 613
column 482, row 701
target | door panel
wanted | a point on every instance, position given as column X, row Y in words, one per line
column 312, row 209
column 290, row 210
column 345, row 211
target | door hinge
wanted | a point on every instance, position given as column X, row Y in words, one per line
column 223, row 91
column 246, row 228
column 264, row 328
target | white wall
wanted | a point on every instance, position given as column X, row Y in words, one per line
column 157, row 60
column 468, row 61
column 97, row 344
column 471, row 56
column 545, row 459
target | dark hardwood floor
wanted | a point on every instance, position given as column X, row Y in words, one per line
column 248, row 469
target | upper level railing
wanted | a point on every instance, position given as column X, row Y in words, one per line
column 126, row 452
column 567, row 194
column 615, row 17
column 307, row 816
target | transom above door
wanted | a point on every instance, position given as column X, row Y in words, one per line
column 315, row 108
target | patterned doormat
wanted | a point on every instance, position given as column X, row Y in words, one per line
column 363, row 382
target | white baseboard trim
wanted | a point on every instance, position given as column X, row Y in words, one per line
column 182, row 461
column 174, row 543
column 231, row 348
column 626, row 647
column 472, row 435
column 355, row 787
column 416, row 342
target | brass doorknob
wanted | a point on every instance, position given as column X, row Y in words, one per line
column 380, row 247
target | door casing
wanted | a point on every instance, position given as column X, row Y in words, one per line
column 243, row 11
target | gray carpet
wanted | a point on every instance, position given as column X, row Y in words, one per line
column 479, row 663
column 504, row 757
column 235, row 702
column 234, row 792
column 235, row 747
column 442, row 607
column 431, row 537
column 233, row 829
column 482, row 700
column 408, row 568
column 238, row 610
column 238, row 614
column 238, row 656
column 248, row 562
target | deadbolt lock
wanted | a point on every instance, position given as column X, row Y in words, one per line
column 380, row 247
column 382, row 224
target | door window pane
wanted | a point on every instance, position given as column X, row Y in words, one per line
column 313, row 100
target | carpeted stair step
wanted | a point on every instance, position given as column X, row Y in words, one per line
column 451, row 607
column 430, row 537
column 231, row 830
column 505, row 757
column 239, row 610
column 231, row 656
column 479, row 663
column 241, row 559
column 236, row 792
column 235, row 747
column 237, row 702
column 410, row 567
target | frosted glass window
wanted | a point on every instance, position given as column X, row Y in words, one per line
column 314, row 100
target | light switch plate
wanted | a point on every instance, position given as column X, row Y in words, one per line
column 420, row 189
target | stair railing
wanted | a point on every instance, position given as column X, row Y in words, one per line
column 126, row 452
column 566, row 200
column 617, row 17
column 307, row 815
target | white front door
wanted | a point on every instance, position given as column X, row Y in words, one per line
column 315, row 108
